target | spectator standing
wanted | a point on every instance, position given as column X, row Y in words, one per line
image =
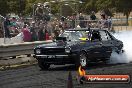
column 20, row 23
column 82, row 21
column 6, row 28
column 13, row 22
column 14, row 27
column 46, row 35
column 73, row 18
column 39, row 11
column 27, row 22
column 92, row 16
column 34, row 36
column 26, row 34
column 56, row 31
column 109, row 23
column 103, row 23
column 55, row 28
column 41, row 32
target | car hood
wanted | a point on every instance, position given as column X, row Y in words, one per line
column 58, row 44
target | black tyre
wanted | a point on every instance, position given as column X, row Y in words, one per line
column 13, row 57
column 106, row 61
column 82, row 60
column 43, row 66
column 28, row 55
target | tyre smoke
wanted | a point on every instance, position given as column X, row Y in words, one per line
column 126, row 57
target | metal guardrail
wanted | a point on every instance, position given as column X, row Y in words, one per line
column 10, row 50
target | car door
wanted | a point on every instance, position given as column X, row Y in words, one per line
column 94, row 45
column 106, row 43
column 116, row 44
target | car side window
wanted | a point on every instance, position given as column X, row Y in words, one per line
column 104, row 36
column 95, row 36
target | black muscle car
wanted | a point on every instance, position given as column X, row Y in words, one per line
column 78, row 46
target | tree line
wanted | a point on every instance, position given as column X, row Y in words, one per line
column 25, row 7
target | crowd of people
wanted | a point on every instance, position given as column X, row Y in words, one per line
column 41, row 29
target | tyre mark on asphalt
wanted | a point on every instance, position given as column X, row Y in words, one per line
column 34, row 76
column 18, row 71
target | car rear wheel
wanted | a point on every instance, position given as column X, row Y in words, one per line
column 43, row 66
column 118, row 51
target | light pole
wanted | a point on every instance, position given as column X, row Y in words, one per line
column 61, row 9
column 33, row 11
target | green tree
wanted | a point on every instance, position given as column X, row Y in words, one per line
column 22, row 6
column 124, row 6
column 13, row 6
column 91, row 6
column 30, row 5
column 107, row 6
column 16, row 6
column 3, row 7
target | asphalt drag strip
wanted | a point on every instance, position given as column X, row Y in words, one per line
column 57, row 76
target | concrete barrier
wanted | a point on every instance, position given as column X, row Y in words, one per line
column 10, row 50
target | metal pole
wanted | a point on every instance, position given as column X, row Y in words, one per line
column 76, row 9
column 3, row 31
column 3, row 27
column 33, row 12
column 50, row 18
column 50, row 7
column 60, row 10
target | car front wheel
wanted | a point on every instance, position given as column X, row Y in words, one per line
column 43, row 66
column 82, row 61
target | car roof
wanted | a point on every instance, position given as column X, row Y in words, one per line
column 85, row 29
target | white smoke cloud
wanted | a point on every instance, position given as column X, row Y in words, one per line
column 126, row 57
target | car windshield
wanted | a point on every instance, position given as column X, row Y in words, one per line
column 75, row 35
